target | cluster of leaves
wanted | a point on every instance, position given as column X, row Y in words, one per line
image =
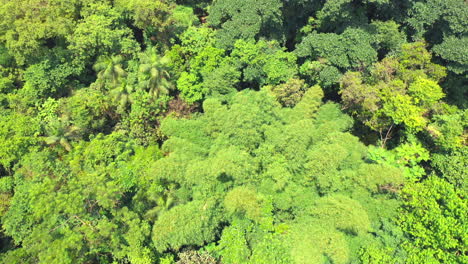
column 400, row 90
column 164, row 131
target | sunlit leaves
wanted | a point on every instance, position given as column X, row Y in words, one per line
column 193, row 223
column 403, row 90
column 434, row 218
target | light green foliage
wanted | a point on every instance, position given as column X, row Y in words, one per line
column 246, row 20
column 233, row 245
column 342, row 213
column 203, row 64
column 415, row 61
column 190, row 90
column 193, row 223
column 78, row 204
column 411, row 153
column 402, row 90
column 328, row 230
column 252, row 142
column 449, row 130
column 244, row 201
column 310, row 104
column 373, row 255
column 401, row 110
column 184, row 17
column 245, row 98
column 426, row 92
column 17, row 134
column 211, row 72
column 316, row 244
column 27, row 25
column 331, row 163
column 289, row 93
column 269, row 248
column 243, row 243
column 434, row 219
column 406, row 156
column 208, row 70
column 195, row 39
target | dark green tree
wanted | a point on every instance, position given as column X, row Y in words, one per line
column 247, row 19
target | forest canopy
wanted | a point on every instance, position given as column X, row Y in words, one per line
column 233, row 131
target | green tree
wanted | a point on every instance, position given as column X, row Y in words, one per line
column 18, row 133
column 153, row 17
column 209, row 71
column 353, row 49
column 247, row 20
column 101, row 32
column 61, row 133
column 434, row 220
column 86, row 112
column 454, row 51
column 181, row 131
column 266, row 164
column 109, row 71
column 435, row 18
column 154, row 76
column 26, row 26
column 339, row 14
column 452, row 166
column 65, row 207
column 401, row 90
column 193, row 223
column 144, row 117
column 48, row 79
column 263, row 63
column 289, row 93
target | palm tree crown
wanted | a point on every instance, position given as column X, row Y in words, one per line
column 110, row 70
column 154, row 76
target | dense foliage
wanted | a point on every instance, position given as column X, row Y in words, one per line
column 233, row 131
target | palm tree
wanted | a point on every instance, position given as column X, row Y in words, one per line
column 122, row 95
column 154, row 76
column 60, row 132
column 109, row 70
column 161, row 201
